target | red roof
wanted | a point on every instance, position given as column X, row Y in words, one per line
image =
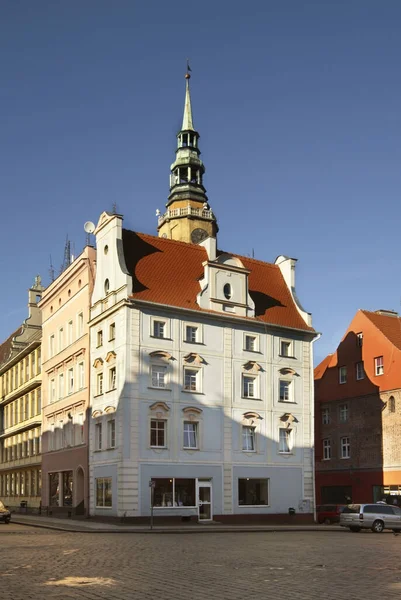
column 389, row 325
column 5, row 347
column 168, row 272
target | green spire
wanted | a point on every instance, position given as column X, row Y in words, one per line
column 187, row 124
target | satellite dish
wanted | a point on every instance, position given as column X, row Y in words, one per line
column 89, row 227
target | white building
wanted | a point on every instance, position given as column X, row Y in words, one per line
column 201, row 368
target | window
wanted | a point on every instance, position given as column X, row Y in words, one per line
column 51, row 346
column 190, row 435
column 103, row 492
column 227, row 291
column 60, row 339
column 248, row 386
column 285, row 441
column 343, row 413
column 360, row 372
column 71, row 381
column 158, row 374
column 250, row 343
column 81, row 375
column 326, row 449
column 191, row 334
column 106, row 287
column 159, row 329
column 112, row 378
column 158, row 433
column 345, row 447
column 98, row 436
column 70, row 332
column 80, row 324
column 248, row 438
column 325, row 416
column 191, row 380
column 391, row 404
column 359, row 339
column 253, row 492
column 379, row 365
column 286, row 348
column 99, row 384
column 79, row 435
column 112, row 332
column 61, row 385
column 285, row 391
column 174, row 492
column 99, row 338
column 111, row 433
column 342, row 374
column 52, row 390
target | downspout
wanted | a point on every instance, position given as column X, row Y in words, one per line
column 312, row 414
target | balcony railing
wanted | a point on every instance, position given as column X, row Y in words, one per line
column 186, row 210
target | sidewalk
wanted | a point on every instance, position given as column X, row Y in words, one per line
column 91, row 526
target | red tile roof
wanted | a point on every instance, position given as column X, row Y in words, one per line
column 168, row 272
column 5, row 347
column 389, row 325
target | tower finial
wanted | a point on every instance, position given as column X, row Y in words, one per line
column 187, row 124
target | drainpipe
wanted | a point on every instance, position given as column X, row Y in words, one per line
column 312, row 414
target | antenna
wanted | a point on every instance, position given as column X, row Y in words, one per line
column 89, row 228
column 67, row 255
column 51, row 270
column 114, row 208
column 157, row 212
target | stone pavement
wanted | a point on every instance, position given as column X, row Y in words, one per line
column 39, row 564
column 92, row 526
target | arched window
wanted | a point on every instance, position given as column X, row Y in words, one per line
column 227, row 291
column 391, row 404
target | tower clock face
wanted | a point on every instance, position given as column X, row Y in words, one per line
column 198, row 235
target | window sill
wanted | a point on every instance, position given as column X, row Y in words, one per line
column 253, row 505
column 190, row 449
column 251, row 398
column 287, row 356
column 342, row 382
column 249, row 451
column 112, row 339
column 158, row 447
column 287, row 401
column 345, row 458
column 112, row 390
column 105, row 507
column 192, row 392
column 286, row 453
column 98, row 395
column 252, row 351
column 163, row 389
column 157, row 337
column 193, row 343
column 100, row 345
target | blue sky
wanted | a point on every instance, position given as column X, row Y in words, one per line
column 298, row 107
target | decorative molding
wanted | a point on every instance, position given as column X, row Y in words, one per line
column 194, row 358
column 160, row 409
column 252, row 367
column 288, row 418
column 162, row 355
column 98, row 363
column 192, row 413
column 288, row 371
column 110, row 356
column 110, row 409
column 250, row 418
column 97, row 413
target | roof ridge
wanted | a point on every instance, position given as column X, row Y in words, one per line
column 156, row 237
column 254, row 260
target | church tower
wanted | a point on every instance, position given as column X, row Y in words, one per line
column 188, row 217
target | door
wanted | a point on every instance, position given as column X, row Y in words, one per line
column 205, row 510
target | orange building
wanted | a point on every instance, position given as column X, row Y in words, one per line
column 358, row 413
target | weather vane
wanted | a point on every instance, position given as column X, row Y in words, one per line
column 187, row 74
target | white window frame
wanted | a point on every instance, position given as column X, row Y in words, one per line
column 98, row 436
column 159, row 324
column 326, row 449
column 290, row 345
column 103, row 479
column 52, row 345
column 112, row 378
column 112, row 331
column 80, row 324
column 198, row 380
column 61, row 340
column 160, row 368
column 61, row 386
column 99, row 338
column 111, row 433
column 344, row 412
column 345, row 447
column 342, row 375
column 359, row 371
column 289, row 387
column 359, row 338
column 70, row 332
column 52, row 390
column 157, row 421
column 252, row 380
column 379, row 365
column 248, row 433
column 81, row 375
column 193, row 328
column 247, row 345
column 195, row 431
column 99, row 384
column 325, row 416
column 70, row 381
column 289, row 435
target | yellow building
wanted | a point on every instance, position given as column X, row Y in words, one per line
column 21, row 410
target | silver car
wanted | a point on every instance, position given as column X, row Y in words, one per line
column 376, row 517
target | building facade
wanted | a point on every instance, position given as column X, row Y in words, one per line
column 201, row 368
column 358, row 413
column 20, row 411
column 66, row 370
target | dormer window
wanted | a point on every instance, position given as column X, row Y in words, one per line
column 227, row 291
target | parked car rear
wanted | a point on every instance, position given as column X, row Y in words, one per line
column 329, row 513
column 376, row 517
column 5, row 514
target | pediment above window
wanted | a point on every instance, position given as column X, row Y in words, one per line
column 250, row 418
column 288, row 371
column 288, row 418
column 252, row 367
column 194, row 359
column 97, row 413
column 192, row 413
column 109, row 410
column 161, row 355
column 159, row 409
column 98, row 363
column 111, row 356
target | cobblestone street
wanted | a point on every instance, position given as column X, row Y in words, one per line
column 41, row 564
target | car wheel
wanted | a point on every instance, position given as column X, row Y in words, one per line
column 327, row 521
column 377, row 526
column 355, row 529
